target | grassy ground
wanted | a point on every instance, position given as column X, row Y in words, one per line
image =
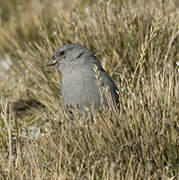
column 137, row 43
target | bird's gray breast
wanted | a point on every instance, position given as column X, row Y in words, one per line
column 79, row 87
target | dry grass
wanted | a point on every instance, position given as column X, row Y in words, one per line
column 138, row 44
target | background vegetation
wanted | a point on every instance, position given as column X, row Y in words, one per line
column 137, row 42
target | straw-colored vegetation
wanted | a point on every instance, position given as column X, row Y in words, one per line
column 137, row 43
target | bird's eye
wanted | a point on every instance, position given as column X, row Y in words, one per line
column 62, row 53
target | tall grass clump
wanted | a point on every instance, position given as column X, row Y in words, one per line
column 137, row 43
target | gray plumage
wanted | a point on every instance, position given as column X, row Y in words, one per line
column 84, row 81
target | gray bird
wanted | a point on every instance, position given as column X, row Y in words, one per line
column 84, row 81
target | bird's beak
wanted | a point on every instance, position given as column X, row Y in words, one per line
column 52, row 61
